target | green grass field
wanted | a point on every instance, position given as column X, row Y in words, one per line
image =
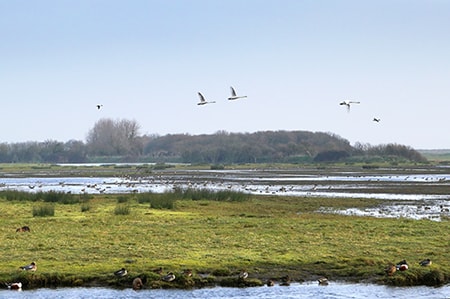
column 270, row 236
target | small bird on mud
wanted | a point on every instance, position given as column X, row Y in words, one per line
column 121, row 273
column 30, row 267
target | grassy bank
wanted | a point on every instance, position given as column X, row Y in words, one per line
column 270, row 237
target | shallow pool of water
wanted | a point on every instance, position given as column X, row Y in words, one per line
column 415, row 196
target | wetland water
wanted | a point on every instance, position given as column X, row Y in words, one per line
column 422, row 193
column 414, row 193
column 304, row 290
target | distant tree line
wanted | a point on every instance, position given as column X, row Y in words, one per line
column 120, row 141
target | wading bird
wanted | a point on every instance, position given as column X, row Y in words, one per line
column 203, row 101
column 323, row 281
column 234, row 96
column 14, row 286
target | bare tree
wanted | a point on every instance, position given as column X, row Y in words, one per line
column 109, row 138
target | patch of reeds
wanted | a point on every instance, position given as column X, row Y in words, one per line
column 50, row 196
column 17, row 195
column 85, row 207
column 163, row 201
column 122, row 209
column 208, row 194
column 44, row 210
column 122, row 199
column 57, row 197
column 158, row 201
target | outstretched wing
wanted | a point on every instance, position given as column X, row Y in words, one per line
column 202, row 98
column 233, row 92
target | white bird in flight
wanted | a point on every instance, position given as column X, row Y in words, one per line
column 347, row 103
column 234, row 96
column 203, row 101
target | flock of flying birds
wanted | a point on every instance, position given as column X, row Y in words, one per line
column 348, row 103
column 234, row 96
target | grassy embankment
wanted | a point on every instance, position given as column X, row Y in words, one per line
column 269, row 236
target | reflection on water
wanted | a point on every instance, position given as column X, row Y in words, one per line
column 307, row 290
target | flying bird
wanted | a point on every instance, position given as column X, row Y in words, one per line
column 376, row 119
column 347, row 103
column 234, row 96
column 99, row 106
column 203, row 101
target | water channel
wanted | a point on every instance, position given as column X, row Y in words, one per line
column 304, row 290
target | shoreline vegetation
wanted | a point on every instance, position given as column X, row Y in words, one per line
column 207, row 238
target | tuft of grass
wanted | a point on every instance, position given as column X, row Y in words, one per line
column 164, row 201
column 207, row 194
column 85, row 207
column 44, row 210
column 122, row 199
column 122, row 209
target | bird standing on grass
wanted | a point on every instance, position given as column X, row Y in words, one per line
column 390, row 270
column 169, row 277
column 30, row 267
column 121, row 273
column 137, row 283
column 243, row 275
column 402, row 265
column 425, row 263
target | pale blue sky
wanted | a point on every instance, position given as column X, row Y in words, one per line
column 294, row 59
